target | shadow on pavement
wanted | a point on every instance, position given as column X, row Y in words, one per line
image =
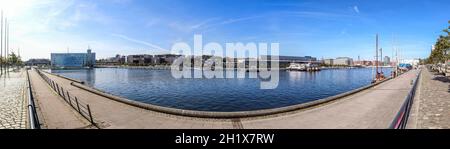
column 443, row 79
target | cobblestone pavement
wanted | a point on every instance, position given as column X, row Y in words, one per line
column 13, row 110
column 434, row 103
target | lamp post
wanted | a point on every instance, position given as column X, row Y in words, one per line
column 1, row 44
column 7, row 45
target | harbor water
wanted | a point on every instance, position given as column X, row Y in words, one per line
column 158, row 87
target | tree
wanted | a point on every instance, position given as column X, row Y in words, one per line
column 442, row 44
column 13, row 59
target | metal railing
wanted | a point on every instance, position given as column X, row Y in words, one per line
column 401, row 119
column 81, row 107
column 33, row 117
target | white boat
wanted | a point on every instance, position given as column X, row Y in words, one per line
column 296, row 67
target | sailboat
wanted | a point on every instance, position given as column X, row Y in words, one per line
column 379, row 76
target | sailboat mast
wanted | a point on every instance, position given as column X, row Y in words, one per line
column 376, row 55
column 381, row 60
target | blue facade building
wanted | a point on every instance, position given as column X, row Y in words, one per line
column 73, row 60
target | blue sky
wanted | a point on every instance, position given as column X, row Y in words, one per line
column 320, row 28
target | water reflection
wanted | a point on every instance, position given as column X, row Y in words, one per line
column 90, row 76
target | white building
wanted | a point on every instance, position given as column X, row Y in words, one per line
column 328, row 62
column 343, row 61
column 413, row 62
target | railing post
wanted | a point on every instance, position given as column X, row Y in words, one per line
column 62, row 92
column 53, row 85
column 68, row 97
column 78, row 105
column 57, row 87
column 90, row 114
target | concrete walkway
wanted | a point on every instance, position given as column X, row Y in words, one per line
column 431, row 109
column 372, row 108
column 53, row 111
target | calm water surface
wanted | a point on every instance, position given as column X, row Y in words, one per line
column 160, row 88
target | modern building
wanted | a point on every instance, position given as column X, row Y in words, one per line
column 139, row 59
column 285, row 61
column 296, row 59
column 386, row 61
column 73, row 60
column 165, row 58
column 117, row 60
column 343, row 61
column 144, row 59
column 38, row 62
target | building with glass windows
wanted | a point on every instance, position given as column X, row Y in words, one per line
column 73, row 60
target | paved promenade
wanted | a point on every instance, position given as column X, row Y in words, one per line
column 53, row 111
column 13, row 105
column 431, row 109
column 372, row 108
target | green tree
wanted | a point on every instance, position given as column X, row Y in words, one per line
column 13, row 59
column 442, row 44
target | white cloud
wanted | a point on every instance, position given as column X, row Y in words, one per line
column 156, row 47
column 356, row 9
column 183, row 27
column 203, row 24
column 317, row 14
column 234, row 20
